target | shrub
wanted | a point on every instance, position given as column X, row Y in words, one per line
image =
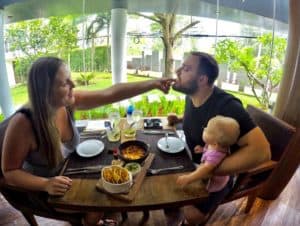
column 85, row 78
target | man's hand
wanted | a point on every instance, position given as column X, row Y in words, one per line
column 173, row 119
column 58, row 185
column 198, row 149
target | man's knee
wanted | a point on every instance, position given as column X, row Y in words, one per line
column 193, row 215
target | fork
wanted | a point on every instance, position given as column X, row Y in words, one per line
column 156, row 171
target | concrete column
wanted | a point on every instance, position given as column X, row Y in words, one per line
column 118, row 50
column 5, row 96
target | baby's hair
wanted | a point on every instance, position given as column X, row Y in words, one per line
column 227, row 130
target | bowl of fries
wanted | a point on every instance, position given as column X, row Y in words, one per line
column 133, row 151
column 116, row 179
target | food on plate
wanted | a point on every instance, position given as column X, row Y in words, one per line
column 133, row 152
column 117, row 162
column 133, row 167
column 115, row 174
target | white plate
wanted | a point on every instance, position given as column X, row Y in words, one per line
column 90, row 148
column 175, row 145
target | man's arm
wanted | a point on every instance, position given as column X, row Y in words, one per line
column 255, row 149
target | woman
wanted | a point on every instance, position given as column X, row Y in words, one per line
column 46, row 134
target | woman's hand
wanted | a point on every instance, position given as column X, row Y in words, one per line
column 58, row 185
column 164, row 84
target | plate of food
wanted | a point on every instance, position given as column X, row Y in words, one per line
column 116, row 179
column 90, row 148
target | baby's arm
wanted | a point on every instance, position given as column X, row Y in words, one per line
column 204, row 170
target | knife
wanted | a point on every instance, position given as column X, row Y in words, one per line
column 82, row 172
column 98, row 167
column 157, row 132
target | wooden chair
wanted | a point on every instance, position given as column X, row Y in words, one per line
column 17, row 198
column 280, row 136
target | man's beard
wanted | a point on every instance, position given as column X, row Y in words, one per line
column 190, row 89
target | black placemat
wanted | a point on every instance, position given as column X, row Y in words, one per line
column 162, row 159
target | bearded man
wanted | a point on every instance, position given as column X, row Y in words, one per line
column 196, row 78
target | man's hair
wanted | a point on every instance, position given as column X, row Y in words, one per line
column 227, row 130
column 207, row 66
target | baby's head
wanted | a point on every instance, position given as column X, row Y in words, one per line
column 221, row 130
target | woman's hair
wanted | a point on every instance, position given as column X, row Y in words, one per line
column 41, row 80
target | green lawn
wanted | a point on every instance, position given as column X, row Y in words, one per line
column 103, row 80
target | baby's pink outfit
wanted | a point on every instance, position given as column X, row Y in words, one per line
column 215, row 157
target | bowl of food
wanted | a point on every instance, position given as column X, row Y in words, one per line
column 133, row 151
column 133, row 167
column 116, row 179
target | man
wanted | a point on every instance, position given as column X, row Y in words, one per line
column 196, row 79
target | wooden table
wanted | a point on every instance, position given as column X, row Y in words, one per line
column 156, row 192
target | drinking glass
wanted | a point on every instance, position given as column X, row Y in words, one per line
column 137, row 116
column 113, row 132
column 114, row 118
column 133, row 122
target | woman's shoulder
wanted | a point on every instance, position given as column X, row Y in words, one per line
column 20, row 122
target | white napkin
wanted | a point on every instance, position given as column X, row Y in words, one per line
column 95, row 125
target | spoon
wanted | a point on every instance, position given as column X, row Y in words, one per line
column 166, row 138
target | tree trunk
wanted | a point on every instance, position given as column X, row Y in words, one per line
column 289, row 67
column 287, row 107
column 93, row 55
column 169, row 61
column 168, row 40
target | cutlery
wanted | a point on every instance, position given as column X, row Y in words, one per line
column 156, row 171
column 157, row 132
column 98, row 167
column 82, row 172
column 166, row 137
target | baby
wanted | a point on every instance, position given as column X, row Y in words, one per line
column 221, row 132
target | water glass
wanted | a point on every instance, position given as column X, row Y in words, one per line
column 114, row 118
column 113, row 134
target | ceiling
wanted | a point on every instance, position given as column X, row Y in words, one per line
column 252, row 12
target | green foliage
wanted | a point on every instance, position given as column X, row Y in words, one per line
column 35, row 38
column 42, row 37
column 262, row 70
column 149, row 109
column 100, row 62
column 1, row 117
column 85, row 78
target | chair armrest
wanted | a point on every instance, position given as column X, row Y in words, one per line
column 262, row 167
column 4, row 185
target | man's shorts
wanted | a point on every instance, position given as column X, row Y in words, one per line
column 215, row 198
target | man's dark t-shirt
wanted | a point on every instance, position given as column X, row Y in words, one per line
column 219, row 103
